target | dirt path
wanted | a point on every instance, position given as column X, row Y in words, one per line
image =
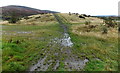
column 59, row 54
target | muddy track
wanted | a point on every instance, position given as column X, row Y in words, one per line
column 59, row 54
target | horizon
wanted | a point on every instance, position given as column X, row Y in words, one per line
column 93, row 8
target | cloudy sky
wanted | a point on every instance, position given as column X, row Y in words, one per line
column 92, row 7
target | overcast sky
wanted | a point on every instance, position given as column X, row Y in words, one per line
column 92, row 7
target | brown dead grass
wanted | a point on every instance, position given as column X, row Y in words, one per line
column 112, row 32
column 75, row 19
column 45, row 19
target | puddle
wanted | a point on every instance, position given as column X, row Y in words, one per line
column 24, row 32
column 65, row 40
column 15, row 32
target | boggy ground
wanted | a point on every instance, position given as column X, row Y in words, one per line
column 58, row 43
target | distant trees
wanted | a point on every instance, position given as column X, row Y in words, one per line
column 84, row 15
column 38, row 17
column 69, row 13
column 26, row 17
column 14, row 17
column 110, row 22
column 81, row 17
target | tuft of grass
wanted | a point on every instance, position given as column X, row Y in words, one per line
column 95, row 65
column 15, row 66
column 61, row 67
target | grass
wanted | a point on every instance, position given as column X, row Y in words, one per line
column 25, row 50
column 0, row 47
column 23, row 42
column 74, row 19
column 19, row 49
column 61, row 67
column 92, row 47
column 0, row 60
column 95, row 65
column 101, row 50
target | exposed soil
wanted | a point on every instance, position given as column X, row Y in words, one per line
column 59, row 51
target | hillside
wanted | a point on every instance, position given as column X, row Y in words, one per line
column 60, row 42
column 21, row 11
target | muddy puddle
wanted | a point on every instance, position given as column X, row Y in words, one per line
column 65, row 40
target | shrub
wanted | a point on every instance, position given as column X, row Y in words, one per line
column 69, row 13
column 84, row 15
column 110, row 23
column 105, row 30
column 37, row 17
column 14, row 17
column 81, row 17
column 26, row 17
column 87, row 22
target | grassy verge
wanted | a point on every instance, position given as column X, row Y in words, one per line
column 96, row 48
column 102, row 51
